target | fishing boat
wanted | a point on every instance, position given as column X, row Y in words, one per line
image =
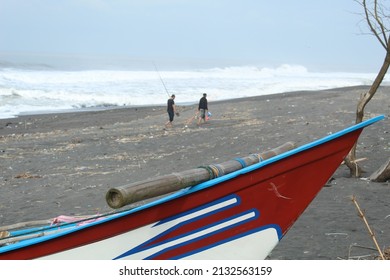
column 235, row 213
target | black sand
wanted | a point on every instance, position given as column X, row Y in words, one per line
column 63, row 164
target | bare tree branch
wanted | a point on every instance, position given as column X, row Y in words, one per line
column 370, row 17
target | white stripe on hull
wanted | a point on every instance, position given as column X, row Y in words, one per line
column 255, row 246
column 242, row 247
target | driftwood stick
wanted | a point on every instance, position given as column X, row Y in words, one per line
column 13, row 239
column 361, row 215
column 10, row 240
column 25, row 224
column 382, row 174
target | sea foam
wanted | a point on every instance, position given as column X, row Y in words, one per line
column 24, row 91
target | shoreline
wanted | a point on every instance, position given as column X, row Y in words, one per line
column 179, row 104
column 64, row 163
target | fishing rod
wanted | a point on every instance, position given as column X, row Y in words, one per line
column 162, row 81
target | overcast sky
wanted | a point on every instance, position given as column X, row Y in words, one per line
column 320, row 35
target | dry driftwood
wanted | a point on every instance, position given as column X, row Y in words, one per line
column 370, row 231
column 382, row 174
column 25, row 224
column 127, row 194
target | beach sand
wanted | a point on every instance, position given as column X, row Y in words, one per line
column 63, row 164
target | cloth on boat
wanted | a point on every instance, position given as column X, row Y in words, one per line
column 71, row 219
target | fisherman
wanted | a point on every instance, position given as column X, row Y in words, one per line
column 171, row 109
column 202, row 108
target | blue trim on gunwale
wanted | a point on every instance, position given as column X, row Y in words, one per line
column 195, row 188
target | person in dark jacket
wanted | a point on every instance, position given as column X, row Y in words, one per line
column 202, row 108
column 171, row 109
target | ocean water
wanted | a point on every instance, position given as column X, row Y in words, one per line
column 28, row 90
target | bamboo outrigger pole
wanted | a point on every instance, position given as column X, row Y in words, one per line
column 127, row 194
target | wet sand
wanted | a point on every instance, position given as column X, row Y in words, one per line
column 63, row 164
